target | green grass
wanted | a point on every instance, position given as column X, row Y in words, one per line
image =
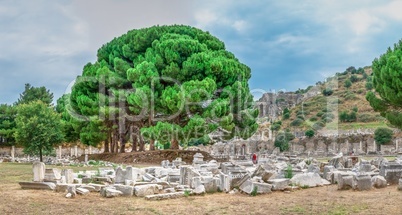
column 355, row 125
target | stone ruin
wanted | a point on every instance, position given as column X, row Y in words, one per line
column 177, row 179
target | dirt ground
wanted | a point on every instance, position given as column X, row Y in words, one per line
column 321, row 200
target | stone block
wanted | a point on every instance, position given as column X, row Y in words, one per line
column 89, row 187
column 225, row 182
column 247, row 186
column 362, row 182
column 52, row 175
column 82, row 191
column 307, row 179
column 38, row 185
column 148, row 189
column 38, row 169
column 391, row 171
column 110, row 192
column 344, row 181
column 97, row 187
column 162, row 196
column 68, row 173
column 279, row 184
column 61, row 188
column 378, row 181
column 126, row 190
column 200, row 189
column 262, row 188
column 328, row 173
column 71, row 190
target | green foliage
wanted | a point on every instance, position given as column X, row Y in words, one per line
column 313, row 119
column 348, row 83
column 289, row 172
column 351, row 70
column 318, row 125
column 369, row 85
column 255, row 191
column 282, row 140
column 38, row 128
column 187, row 193
column 327, row 92
column 383, row 135
column 320, row 114
column 309, row 133
column 355, row 109
column 175, row 83
column 8, row 114
column 31, row 94
column 387, row 81
column 354, row 78
column 297, row 122
column 286, row 114
column 347, row 117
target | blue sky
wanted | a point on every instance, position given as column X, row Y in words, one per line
column 287, row 44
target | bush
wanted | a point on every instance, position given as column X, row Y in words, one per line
column 289, row 172
column 282, row 140
column 286, row 116
column 355, row 109
column 313, row 119
column 254, row 192
column 319, row 114
column 347, row 117
column 318, row 125
column 347, row 83
column 328, row 115
column 309, row 133
column 383, row 135
column 354, row 78
column 296, row 122
column 365, row 117
column 369, row 85
column 327, row 92
column 350, row 96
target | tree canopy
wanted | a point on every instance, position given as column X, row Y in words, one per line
column 31, row 94
column 387, row 81
column 383, row 135
column 165, row 84
column 38, row 128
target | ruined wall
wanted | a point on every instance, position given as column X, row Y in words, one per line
column 272, row 104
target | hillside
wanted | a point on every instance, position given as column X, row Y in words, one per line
column 337, row 103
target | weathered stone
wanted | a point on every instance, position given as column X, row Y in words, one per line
column 38, row 169
column 52, row 175
column 236, row 182
column 68, row 173
column 378, row 181
column 69, row 195
column 149, row 189
column 391, row 171
column 200, row 189
column 89, row 187
column 38, row 185
column 71, row 190
column 325, row 182
column 337, row 161
column 400, row 184
column 165, row 196
column 225, row 184
column 362, row 182
column 307, row 179
column 61, row 188
column 279, row 184
column 120, row 176
column 262, row 188
column 263, row 173
column 77, row 180
column 106, row 180
column 186, row 174
column 126, row 190
column 313, row 168
column 82, row 191
column 328, row 173
column 345, row 181
column 131, row 173
column 110, row 192
column 365, row 166
column 97, row 187
column 247, row 186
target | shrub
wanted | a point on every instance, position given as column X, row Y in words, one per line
column 350, row 96
column 254, row 192
column 318, row 125
column 282, row 140
column 347, row 83
column 327, row 92
column 313, row 119
column 347, row 117
column 369, row 85
column 354, row 78
column 286, row 116
column 289, row 172
column 328, row 115
column 365, row 117
column 309, row 133
column 296, row 122
column 319, row 114
column 355, row 109
column 383, row 135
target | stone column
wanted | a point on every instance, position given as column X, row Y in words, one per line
column 396, row 145
column 374, row 146
column 361, row 146
column 270, row 135
column 12, row 153
column 76, row 151
column 59, row 152
column 71, row 151
column 90, row 150
column 38, row 169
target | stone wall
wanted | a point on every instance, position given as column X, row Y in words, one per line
column 65, row 151
column 272, row 104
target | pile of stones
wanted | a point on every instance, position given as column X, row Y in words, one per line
column 176, row 179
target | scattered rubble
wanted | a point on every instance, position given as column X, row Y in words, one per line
column 176, row 179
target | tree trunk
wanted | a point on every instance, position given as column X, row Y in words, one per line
column 142, row 144
column 106, row 145
column 116, row 144
column 112, row 143
column 152, row 145
column 135, row 142
column 122, row 143
column 40, row 155
column 174, row 144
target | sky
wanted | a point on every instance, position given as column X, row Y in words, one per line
column 287, row 44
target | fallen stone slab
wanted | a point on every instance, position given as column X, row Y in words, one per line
column 307, row 179
column 38, row 185
column 362, row 182
column 61, row 188
column 125, row 189
column 144, row 190
column 279, row 184
column 165, row 196
column 262, row 188
column 82, row 191
column 378, row 181
column 200, row 189
column 89, row 187
column 97, row 187
column 110, row 192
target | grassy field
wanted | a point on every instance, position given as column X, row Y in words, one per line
column 321, row 200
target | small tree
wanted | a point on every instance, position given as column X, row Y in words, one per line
column 282, row 140
column 327, row 92
column 347, row 83
column 354, row 78
column 383, row 135
column 309, row 133
column 38, row 128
